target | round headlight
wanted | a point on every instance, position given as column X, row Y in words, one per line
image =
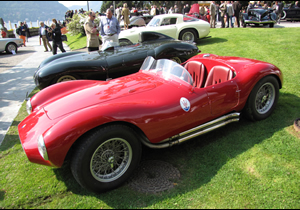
column 28, row 107
column 42, row 148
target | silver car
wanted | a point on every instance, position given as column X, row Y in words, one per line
column 10, row 45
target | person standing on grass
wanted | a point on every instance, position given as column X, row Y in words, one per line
column 125, row 13
column 237, row 9
column 230, row 13
column 92, row 38
column 223, row 9
column 212, row 13
column 109, row 28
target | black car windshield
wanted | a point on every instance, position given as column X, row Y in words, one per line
column 167, row 68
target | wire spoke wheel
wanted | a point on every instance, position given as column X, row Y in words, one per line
column 176, row 59
column 65, row 78
column 10, row 48
column 188, row 36
column 111, row 160
column 265, row 98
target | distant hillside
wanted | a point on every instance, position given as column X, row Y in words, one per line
column 31, row 10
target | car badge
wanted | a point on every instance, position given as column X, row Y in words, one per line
column 185, row 104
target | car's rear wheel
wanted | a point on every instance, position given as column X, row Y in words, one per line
column 106, row 158
column 262, row 99
column 188, row 35
column 65, row 78
column 124, row 42
column 10, row 48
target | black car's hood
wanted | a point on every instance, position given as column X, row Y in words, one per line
column 101, row 55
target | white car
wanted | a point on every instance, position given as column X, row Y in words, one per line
column 10, row 44
column 177, row 26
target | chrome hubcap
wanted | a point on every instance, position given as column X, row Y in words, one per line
column 188, row 36
column 65, row 78
column 265, row 98
column 111, row 160
column 11, row 47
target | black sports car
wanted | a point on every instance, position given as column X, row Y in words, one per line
column 112, row 61
column 259, row 16
column 291, row 12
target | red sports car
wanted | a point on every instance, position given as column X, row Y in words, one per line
column 102, row 124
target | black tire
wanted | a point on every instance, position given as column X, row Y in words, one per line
column 10, row 47
column 65, row 78
column 176, row 59
column 188, row 35
column 98, row 151
column 262, row 99
column 124, row 42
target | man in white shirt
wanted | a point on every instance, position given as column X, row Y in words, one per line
column 230, row 13
column 43, row 34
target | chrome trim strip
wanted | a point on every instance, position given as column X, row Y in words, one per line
column 260, row 22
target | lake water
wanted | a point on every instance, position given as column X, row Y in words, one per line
column 33, row 24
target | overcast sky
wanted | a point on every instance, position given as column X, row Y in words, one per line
column 71, row 3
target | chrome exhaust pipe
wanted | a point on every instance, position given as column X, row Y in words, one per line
column 194, row 132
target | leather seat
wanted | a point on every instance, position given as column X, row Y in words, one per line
column 218, row 74
column 197, row 71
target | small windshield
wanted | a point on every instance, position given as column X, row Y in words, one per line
column 167, row 68
column 109, row 45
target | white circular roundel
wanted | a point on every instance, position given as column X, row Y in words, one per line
column 185, row 104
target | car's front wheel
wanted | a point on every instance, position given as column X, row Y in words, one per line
column 65, row 78
column 188, row 35
column 10, row 48
column 106, row 158
column 176, row 59
column 262, row 99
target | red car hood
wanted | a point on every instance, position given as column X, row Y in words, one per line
column 97, row 92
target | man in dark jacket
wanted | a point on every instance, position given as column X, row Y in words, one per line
column 237, row 9
column 55, row 32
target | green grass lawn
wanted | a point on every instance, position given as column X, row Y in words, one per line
column 242, row 165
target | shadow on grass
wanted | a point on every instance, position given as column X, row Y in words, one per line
column 209, row 41
column 198, row 160
column 2, row 193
